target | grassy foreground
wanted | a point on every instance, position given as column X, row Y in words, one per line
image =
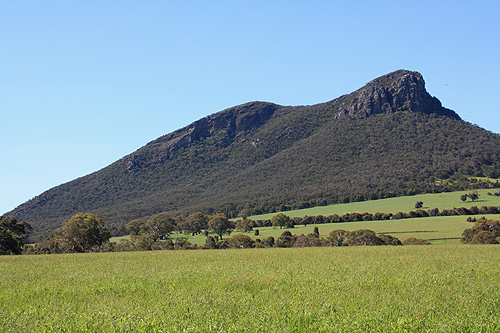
column 360, row 289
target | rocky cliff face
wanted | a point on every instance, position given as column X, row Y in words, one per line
column 397, row 91
column 226, row 124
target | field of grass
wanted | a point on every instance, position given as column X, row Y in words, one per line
column 445, row 200
column 438, row 230
column 356, row 289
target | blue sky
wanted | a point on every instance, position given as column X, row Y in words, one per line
column 84, row 83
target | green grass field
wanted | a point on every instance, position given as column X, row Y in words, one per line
column 445, row 200
column 357, row 289
column 438, row 230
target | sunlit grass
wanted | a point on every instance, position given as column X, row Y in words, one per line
column 380, row 289
column 446, row 200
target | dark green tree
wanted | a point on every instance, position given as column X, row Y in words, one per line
column 281, row 220
column 211, row 243
column 244, row 225
column 363, row 237
column 484, row 231
column 134, row 226
column 473, row 196
column 337, row 237
column 83, row 232
column 195, row 223
column 11, row 235
column 220, row 225
column 286, row 239
column 240, row 242
column 268, row 242
column 307, row 220
column 389, row 240
column 158, row 227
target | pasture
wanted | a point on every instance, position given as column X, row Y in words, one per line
column 445, row 200
column 449, row 288
column 437, row 230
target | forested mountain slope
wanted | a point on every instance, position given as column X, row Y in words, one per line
column 391, row 137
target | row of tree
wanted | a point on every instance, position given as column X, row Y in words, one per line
column 85, row 232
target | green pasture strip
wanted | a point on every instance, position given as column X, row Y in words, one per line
column 446, row 200
column 356, row 289
column 438, row 229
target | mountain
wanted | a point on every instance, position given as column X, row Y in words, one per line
column 390, row 137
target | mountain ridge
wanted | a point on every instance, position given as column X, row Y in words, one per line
column 260, row 153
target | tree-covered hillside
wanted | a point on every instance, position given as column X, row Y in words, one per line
column 388, row 138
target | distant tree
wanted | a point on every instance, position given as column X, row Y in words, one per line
column 244, row 213
column 158, row 227
column 483, row 231
column 311, row 240
column 316, row 231
column 363, row 237
column 281, row 220
column 211, row 243
column 134, row 226
column 319, row 219
column 419, row 204
column 484, row 237
column 416, row 241
column 473, row 196
column 268, row 242
column 337, row 237
column 11, row 235
column 389, row 240
column 307, row 220
column 240, row 242
column 83, row 232
column 196, row 222
column 220, row 225
column 182, row 243
column 463, row 197
column 256, row 232
column 244, row 225
column 286, row 239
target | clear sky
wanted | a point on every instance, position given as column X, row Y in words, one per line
column 84, row 83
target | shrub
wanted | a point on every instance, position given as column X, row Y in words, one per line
column 416, row 241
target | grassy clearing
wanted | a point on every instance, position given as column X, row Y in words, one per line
column 377, row 289
column 445, row 200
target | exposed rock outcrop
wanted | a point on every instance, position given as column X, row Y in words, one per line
column 401, row 90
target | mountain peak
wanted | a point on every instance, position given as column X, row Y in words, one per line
column 401, row 90
column 259, row 155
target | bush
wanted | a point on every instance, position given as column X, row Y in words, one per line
column 416, row 241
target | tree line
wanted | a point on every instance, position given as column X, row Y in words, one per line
column 86, row 232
